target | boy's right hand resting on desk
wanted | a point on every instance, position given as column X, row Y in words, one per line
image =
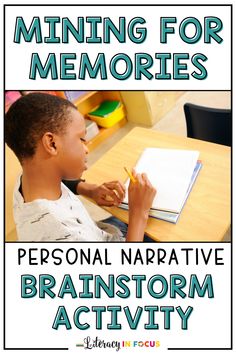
column 141, row 195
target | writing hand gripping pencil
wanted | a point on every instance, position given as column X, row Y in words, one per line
column 141, row 195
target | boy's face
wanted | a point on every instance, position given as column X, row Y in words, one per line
column 72, row 150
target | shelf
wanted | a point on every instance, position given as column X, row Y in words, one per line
column 84, row 97
column 105, row 133
column 87, row 102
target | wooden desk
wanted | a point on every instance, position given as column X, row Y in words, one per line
column 206, row 214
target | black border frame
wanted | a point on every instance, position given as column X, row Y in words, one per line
column 4, row 83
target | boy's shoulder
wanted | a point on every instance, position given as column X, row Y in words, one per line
column 41, row 219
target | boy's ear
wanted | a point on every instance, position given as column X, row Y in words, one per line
column 49, row 143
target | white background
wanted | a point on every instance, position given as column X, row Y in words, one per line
column 203, row 85
column 217, row 65
column 29, row 321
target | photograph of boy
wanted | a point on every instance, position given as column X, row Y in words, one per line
column 47, row 134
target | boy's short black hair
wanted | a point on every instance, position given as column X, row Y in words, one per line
column 30, row 117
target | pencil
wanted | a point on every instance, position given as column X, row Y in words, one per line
column 130, row 175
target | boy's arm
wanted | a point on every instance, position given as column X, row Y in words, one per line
column 136, row 228
column 141, row 195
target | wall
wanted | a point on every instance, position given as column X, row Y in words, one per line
column 148, row 107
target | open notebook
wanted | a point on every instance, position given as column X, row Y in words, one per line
column 172, row 173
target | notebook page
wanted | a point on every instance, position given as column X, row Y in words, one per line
column 170, row 171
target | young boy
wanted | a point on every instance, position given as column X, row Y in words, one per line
column 47, row 134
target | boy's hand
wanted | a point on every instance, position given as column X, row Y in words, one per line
column 108, row 194
column 141, row 195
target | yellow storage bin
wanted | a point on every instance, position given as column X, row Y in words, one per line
column 111, row 119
